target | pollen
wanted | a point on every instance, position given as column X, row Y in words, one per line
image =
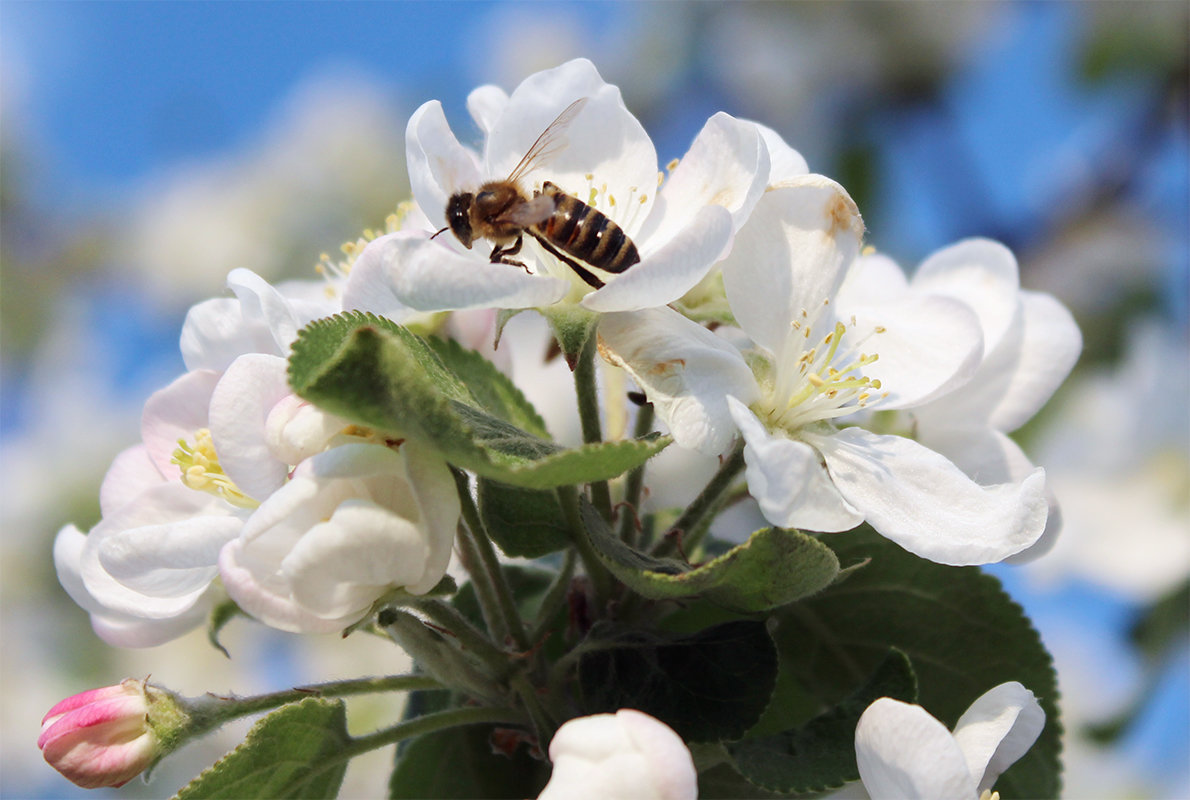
column 819, row 375
column 201, row 470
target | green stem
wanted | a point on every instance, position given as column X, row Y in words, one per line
column 496, row 600
column 543, row 723
column 601, row 579
column 211, row 711
column 588, row 410
column 430, row 723
column 555, row 596
column 465, row 633
column 703, row 505
column 636, row 481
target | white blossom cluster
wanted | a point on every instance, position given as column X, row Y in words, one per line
column 860, row 394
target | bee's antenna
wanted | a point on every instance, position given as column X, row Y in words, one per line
column 440, row 231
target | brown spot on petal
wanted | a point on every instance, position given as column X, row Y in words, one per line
column 843, row 215
column 662, row 368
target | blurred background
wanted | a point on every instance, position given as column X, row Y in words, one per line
column 148, row 149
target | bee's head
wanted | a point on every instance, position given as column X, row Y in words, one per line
column 458, row 217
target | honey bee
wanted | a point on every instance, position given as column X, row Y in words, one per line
column 567, row 228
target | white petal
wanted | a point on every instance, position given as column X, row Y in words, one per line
column 214, row 334
column 428, row 276
column 791, row 256
column 131, row 473
column 1049, row 348
column 176, row 412
column 341, row 566
column 788, row 480
column 240, row 407
column 267, row 598
column 485, row 105
column 873, row 279
column 924, row 503
column 116, row 628
column 605, row 141
column 727, row 166
column 262, row 303
column 980, row 272
column 785, row 163
column 437, row 500
column 927, row 346
column 685, row 370
column 438, row 165
column 998, row 729
column 370, row 287
column 903, row 753
column 665, row 275
column 166, row 561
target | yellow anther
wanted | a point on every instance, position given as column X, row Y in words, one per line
column 589, row 176
column 672, row 165
column 643, row 198
column 611, row 199
column 881, row 329
column 816, row 380
column 594, row 194
column 199, row 465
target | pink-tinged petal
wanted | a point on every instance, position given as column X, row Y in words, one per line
column 927, row 505
column 428, row 276
column 485, row 105
column 85, row 698
column 790, row 257
column 998, row 729
column 785, row 163
column 605, row 141
column 1048, row 351
column 250, row 388
column 131, row 473
column 925, row 346
column 788, row 481
column 983, row 274
column 176, row 412
column 903, row 753
column 685, row 370
column 727, row 166
column 664, row 275
column 438, row 165
column 269, row 599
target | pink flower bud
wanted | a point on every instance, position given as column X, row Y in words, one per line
column 103, row 737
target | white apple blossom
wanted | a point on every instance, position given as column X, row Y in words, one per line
column 1030, row 340
column 822, row 357
column 608, row 162
column 351, row 524
column 144, row 572
column 904, row 752
column 628, row 755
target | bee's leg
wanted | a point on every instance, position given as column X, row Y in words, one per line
column 501, row 253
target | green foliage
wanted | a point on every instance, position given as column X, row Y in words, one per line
column 820, row 755
column 960, row 630
column 297, row 751
column 460, row 763
column 522, row 522
column 378, row 374
column 708, row 686
column 220, row 615
column 774, row 567
column 491, row 388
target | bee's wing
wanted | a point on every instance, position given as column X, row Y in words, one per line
column 551, row 140
column 530, row 212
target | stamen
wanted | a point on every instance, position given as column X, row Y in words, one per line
column 201, row 470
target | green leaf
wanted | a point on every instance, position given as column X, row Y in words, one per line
column 961, row 631
column 522, row 522
column 709, row 686
column 492, row 389
column 459, row 763
column 293, row 752
column 382, row 376
column 773, row 568
column 820, row 755
column 220, row 615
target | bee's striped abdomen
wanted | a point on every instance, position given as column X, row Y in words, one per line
column 580, row 231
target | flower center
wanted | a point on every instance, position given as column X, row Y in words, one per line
column 201, row 470
column 820, row 380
